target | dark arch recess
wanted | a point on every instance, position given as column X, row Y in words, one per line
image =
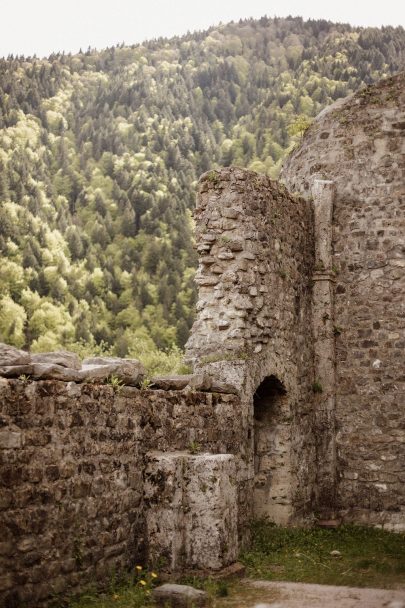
column 271, row 447
column 266, row 395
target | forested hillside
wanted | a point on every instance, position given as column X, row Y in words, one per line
column 99, row 157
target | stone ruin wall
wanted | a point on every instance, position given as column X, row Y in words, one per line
column 256, row 257
column 359, row 144
column 95, row 478
column 92, row 479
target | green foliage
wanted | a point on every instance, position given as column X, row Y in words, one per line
column 299, row 126
column 317, row 387
column 194, row 447
column 145, row 384
column 100, row 153
column 157, row 362
column 368, row 557
column 24, row 378
column 214, row 587
column 213, row 178
column 115, row 383
column 12, row 321
column 126, row 591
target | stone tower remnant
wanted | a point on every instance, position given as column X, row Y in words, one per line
column 301, row 305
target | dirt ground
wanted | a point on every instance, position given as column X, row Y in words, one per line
column 263, row 594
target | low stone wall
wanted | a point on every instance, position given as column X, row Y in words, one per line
column 73, row 458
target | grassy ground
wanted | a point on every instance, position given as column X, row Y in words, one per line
column 131, row 591
column 366, row 557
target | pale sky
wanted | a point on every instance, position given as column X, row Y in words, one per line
column 45, row 26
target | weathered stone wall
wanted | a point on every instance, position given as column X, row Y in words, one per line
column 359, row 144
column 255, row 243
column 95, row 476
column 73, row 458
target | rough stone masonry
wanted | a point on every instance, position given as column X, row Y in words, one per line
column 359, row 144
column 96, row 479
column 302, row 306
column 295, row 409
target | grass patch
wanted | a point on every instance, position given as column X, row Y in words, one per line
column 135, row 592
column 214, row 587
column 132, row 591
column 368, row 557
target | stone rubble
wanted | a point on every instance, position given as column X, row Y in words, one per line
column 53, row 371
column 169, row 383
column 67, row 367
column 127, row 371
column 11, row 356
column 179, row 596
column 63, row 358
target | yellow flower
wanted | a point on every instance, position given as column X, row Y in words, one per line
column 154, row 575
column 139, row 568
column 115, row 596
column 143, row 582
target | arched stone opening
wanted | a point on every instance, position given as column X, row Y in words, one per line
column 272, row 467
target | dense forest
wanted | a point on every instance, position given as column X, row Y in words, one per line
column 100, row 153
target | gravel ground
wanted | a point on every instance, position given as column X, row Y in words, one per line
column 300, row 595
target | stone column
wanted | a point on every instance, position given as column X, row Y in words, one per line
column 324, row 345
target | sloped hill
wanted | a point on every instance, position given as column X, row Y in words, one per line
column 99, row 157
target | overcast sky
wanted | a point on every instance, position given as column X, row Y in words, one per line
column 44, row 26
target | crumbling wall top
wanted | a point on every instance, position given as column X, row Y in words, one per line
column 255, row 245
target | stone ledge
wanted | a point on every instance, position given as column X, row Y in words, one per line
column 66, row 366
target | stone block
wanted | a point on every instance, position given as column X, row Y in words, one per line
column 236, row 245
column 14, row 371
column 169, row 383
column 163, row 496
column 179, row 596
column 9, row 355
column 129, row 371
column 10, row 439
column 223, row 387
column 191, row 509
column 200, row 382
column 6, row 582
column 231, row 373
column 63, row 358
column 225, row 255
column 204, row 280
column 52, row 371
column 211, row 540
